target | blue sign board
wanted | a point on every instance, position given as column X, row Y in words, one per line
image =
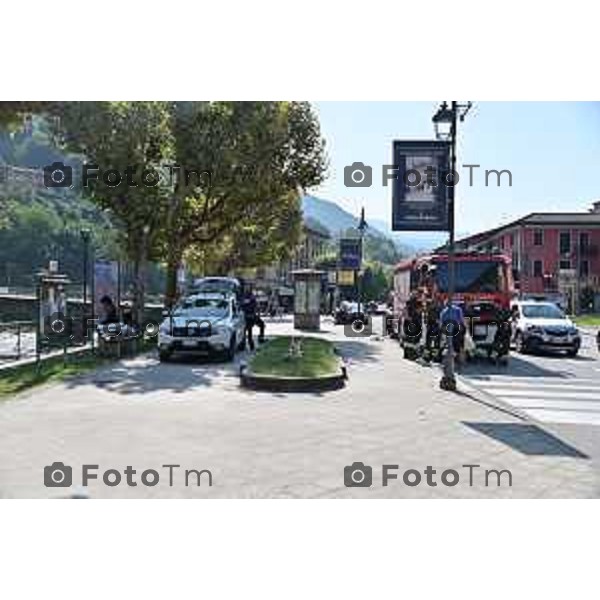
column 350, row 254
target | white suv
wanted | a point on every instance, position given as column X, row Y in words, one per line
column 543, row 326
column 202, row 324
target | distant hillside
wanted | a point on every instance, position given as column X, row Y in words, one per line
column 415, row 240
column 329, row 214
column 338, row 222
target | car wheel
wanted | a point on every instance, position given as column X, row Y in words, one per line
column 230, row 352
column 242, row 345
column 520, row 345
column 573, row 352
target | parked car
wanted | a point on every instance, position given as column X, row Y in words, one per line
column 347, row 313
column 203, row 324
column 217, row 285
column 543, row 326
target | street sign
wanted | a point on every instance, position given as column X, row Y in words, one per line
column 345, row 278
column 350, row 254
column 419, row 194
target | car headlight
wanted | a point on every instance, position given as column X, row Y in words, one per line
column 534, row 329
column 221, row 330
column 573, row 330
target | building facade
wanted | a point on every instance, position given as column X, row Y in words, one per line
column 312, row 247
column 551, row 253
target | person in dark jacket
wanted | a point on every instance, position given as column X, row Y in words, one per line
column 250, row 308
column 109, row 309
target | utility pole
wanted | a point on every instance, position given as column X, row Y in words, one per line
column 450, row 116
column 85, row 236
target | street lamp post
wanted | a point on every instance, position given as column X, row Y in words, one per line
column 448, row 117
column 85, row 236
column 362, row 225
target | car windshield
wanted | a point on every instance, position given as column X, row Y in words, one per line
column 216, row 285
column 542, row 311
column 471, row 276
column 206, row 307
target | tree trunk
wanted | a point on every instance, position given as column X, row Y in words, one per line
column 173, row 263
column 139, row 287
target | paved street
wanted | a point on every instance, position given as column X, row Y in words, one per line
column 146, row 414
column 549, row 388
column 562, row 393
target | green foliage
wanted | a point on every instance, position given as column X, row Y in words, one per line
column 376, row 283
column 270, row 235
column 317, row 358
column 13, row 112
column 259, row 155
column 132, row 137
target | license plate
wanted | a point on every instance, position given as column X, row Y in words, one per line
column 480, row 330
column 189, row 343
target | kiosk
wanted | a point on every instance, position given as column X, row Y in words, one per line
column 307, row 299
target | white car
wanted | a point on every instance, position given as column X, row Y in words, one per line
column 543, row 326
column 203, row 324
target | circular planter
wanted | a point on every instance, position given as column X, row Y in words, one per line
column 292, row 384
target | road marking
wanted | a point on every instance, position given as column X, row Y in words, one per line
column 509, row 393
column 565, row 417
column 538, row 404
column 546, row 399
column 545, row 386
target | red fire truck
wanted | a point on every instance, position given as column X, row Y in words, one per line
column 483, row 288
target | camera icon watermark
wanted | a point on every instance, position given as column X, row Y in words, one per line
column 58, row 175
column 360, row 327
column 57, row 328
column 358, row 175
column 358, row 475
column 58, row 475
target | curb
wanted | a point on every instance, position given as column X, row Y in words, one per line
column 292, row 384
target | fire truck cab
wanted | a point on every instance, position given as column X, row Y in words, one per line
column 483, row 288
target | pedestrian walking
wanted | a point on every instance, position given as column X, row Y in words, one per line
column 452, row 320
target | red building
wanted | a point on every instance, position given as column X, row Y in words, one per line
column 551, row 253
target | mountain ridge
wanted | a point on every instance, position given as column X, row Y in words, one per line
column 336, row 220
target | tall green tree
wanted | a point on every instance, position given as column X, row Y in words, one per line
column 123, row 137
column 259, row 155
column 267, row 235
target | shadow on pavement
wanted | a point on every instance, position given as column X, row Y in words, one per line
column 527, row 438
column 357, row 351
column 146, row 375
column 517, row 367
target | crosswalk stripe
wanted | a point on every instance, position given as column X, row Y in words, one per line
column 590, row 406
column 532, row 380
column 548, row 386
column 566, row 417
column 546, row 399
column 511, row 393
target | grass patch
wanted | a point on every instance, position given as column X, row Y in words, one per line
column 318, row 358
column 24, row 377
column 55, row 369
column 588, row 320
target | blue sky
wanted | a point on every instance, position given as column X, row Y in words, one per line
column 551, row 148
